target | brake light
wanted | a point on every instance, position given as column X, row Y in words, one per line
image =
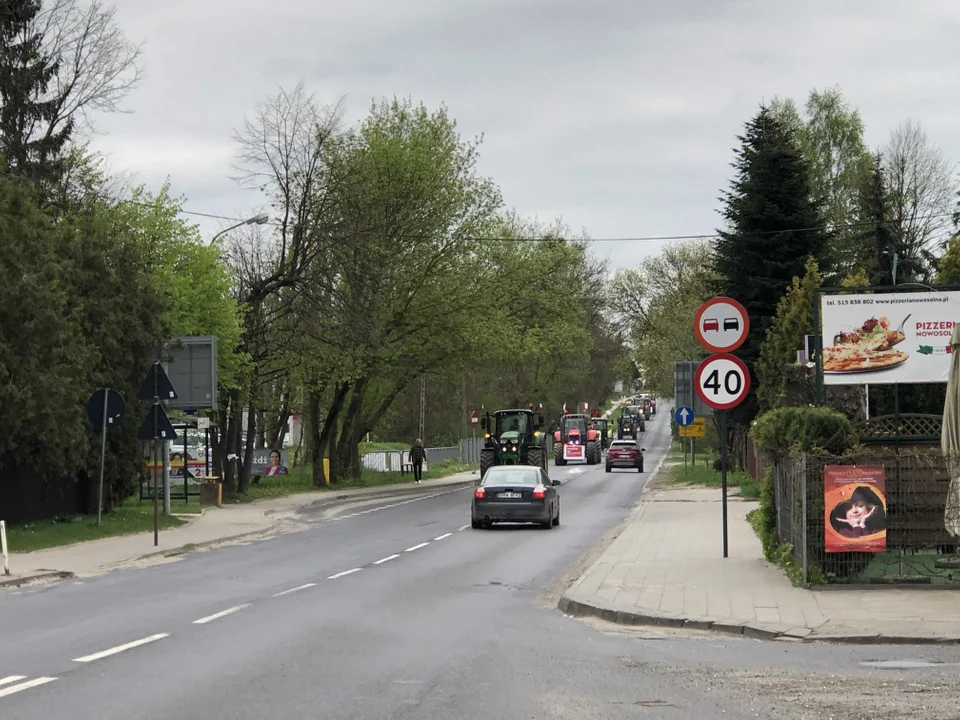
column 479, row 493
column 539, row 492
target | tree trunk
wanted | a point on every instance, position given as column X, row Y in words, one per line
column 243, row 482
column 327, row 435
column 347, row 450
column 231, row 441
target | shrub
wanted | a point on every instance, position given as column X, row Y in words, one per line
column 804, row 429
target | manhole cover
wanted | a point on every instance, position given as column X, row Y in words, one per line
column 905, row 664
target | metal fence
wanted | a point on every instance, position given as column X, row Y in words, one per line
column 919, row 550
column 466, row 452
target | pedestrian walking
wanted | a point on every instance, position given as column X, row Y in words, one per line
column 418, row 453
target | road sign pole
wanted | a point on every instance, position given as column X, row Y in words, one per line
column 103, row 455
column 723, row 474
column 156, row 451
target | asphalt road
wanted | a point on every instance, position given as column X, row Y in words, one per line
column 398, row 609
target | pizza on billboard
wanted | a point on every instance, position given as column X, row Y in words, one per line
column 872, row 346
column 887, row 338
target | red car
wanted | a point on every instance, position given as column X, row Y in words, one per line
column 625, row 454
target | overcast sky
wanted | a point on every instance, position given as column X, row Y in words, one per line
column 618, row 115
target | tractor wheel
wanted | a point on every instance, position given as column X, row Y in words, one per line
column 593, row 452
column 558, row 454
column 535, row 457
column 487, row 460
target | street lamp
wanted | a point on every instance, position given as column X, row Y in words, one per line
column 261, row 219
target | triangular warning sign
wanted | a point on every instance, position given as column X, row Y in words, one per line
column 157, row 425
column 157, row 384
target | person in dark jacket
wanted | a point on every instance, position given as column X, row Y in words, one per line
column 418, row 453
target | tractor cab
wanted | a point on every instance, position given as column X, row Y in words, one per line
column 512, row 437
column 602, row 424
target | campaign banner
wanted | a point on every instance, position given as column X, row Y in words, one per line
column 886, row 338
column 573, row 452
column 268, row 462
column 855, row 508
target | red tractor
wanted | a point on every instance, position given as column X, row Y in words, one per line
column 577, row 439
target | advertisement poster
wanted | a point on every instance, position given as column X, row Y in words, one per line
column 886, row 338
column 855, row 508
column 267, row 462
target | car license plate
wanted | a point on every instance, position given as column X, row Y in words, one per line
column 509, row 495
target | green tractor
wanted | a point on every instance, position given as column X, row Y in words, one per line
column 513, row 437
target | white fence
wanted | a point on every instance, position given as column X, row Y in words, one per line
column 466, row 452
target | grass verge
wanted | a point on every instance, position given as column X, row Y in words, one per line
column 137, row 516
column 702, row 474
column 300, row 480
column 133, row 517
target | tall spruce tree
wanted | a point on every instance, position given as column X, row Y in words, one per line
column 773, row 226
column 29, row 143
column 879, row 232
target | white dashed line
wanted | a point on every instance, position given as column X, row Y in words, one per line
column 12, row 678
column 416, row 547
column 296, row 589
column 345, row 572
column 462, row 528
column 25, row 685
column 441, row 537
column 121, row 648
column 381, row 561
column 224, row 613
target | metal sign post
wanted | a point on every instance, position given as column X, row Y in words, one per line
column 104, row 408
column 156, row 426
column 722, row 381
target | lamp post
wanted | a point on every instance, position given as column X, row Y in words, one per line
column 261, row 219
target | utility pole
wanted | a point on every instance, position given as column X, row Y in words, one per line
column 423, row 405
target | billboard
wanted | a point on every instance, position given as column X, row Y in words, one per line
column 886, row 338
column 267, row 462
column 855, row 508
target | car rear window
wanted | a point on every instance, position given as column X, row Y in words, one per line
column 511, row 476
column 623, row 444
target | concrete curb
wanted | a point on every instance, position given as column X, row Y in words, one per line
column 577, row 608
column 39, row 577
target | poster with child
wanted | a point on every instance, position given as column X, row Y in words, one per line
column 855, row 508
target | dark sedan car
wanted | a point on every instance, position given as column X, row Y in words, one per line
column 516, row 493
column 625, row 454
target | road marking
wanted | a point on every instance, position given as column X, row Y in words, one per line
column 12, row 678
column 345, row 572
column 416, row 547
column 461, row 529
column 445, row 535
column 383, row 560
column 121, row 648
column 224, row 613
column 25, row 686
column 396, row 504
column 296, row 589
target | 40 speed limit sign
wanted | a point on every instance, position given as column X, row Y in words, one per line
column 722, row 381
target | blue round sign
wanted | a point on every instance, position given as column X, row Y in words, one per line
column 684, row 416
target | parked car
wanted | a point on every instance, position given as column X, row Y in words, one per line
column 625, row 454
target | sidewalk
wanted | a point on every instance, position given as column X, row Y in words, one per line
column 231, row 523
column 667, row 568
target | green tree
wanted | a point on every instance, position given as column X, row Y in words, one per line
column 793, row 321
column 26, row 74
column 773, row 226
column 657, row 303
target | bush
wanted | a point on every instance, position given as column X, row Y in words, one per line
column 804, row 429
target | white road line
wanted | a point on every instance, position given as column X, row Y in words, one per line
column 121, row 648
column 461, row 529
column 12, row 678
column 345, row 572
column 416, row 547
column 25, row 686
column 296, row 589
column 381, row 561
column 445, row 535
column 224, row 613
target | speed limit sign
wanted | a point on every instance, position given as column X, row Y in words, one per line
column 722, row 381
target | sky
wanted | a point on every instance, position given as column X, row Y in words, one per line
column 618, row 116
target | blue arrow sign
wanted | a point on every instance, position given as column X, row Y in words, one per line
column 684, row 416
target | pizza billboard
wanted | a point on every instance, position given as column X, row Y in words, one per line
column 886, row 338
